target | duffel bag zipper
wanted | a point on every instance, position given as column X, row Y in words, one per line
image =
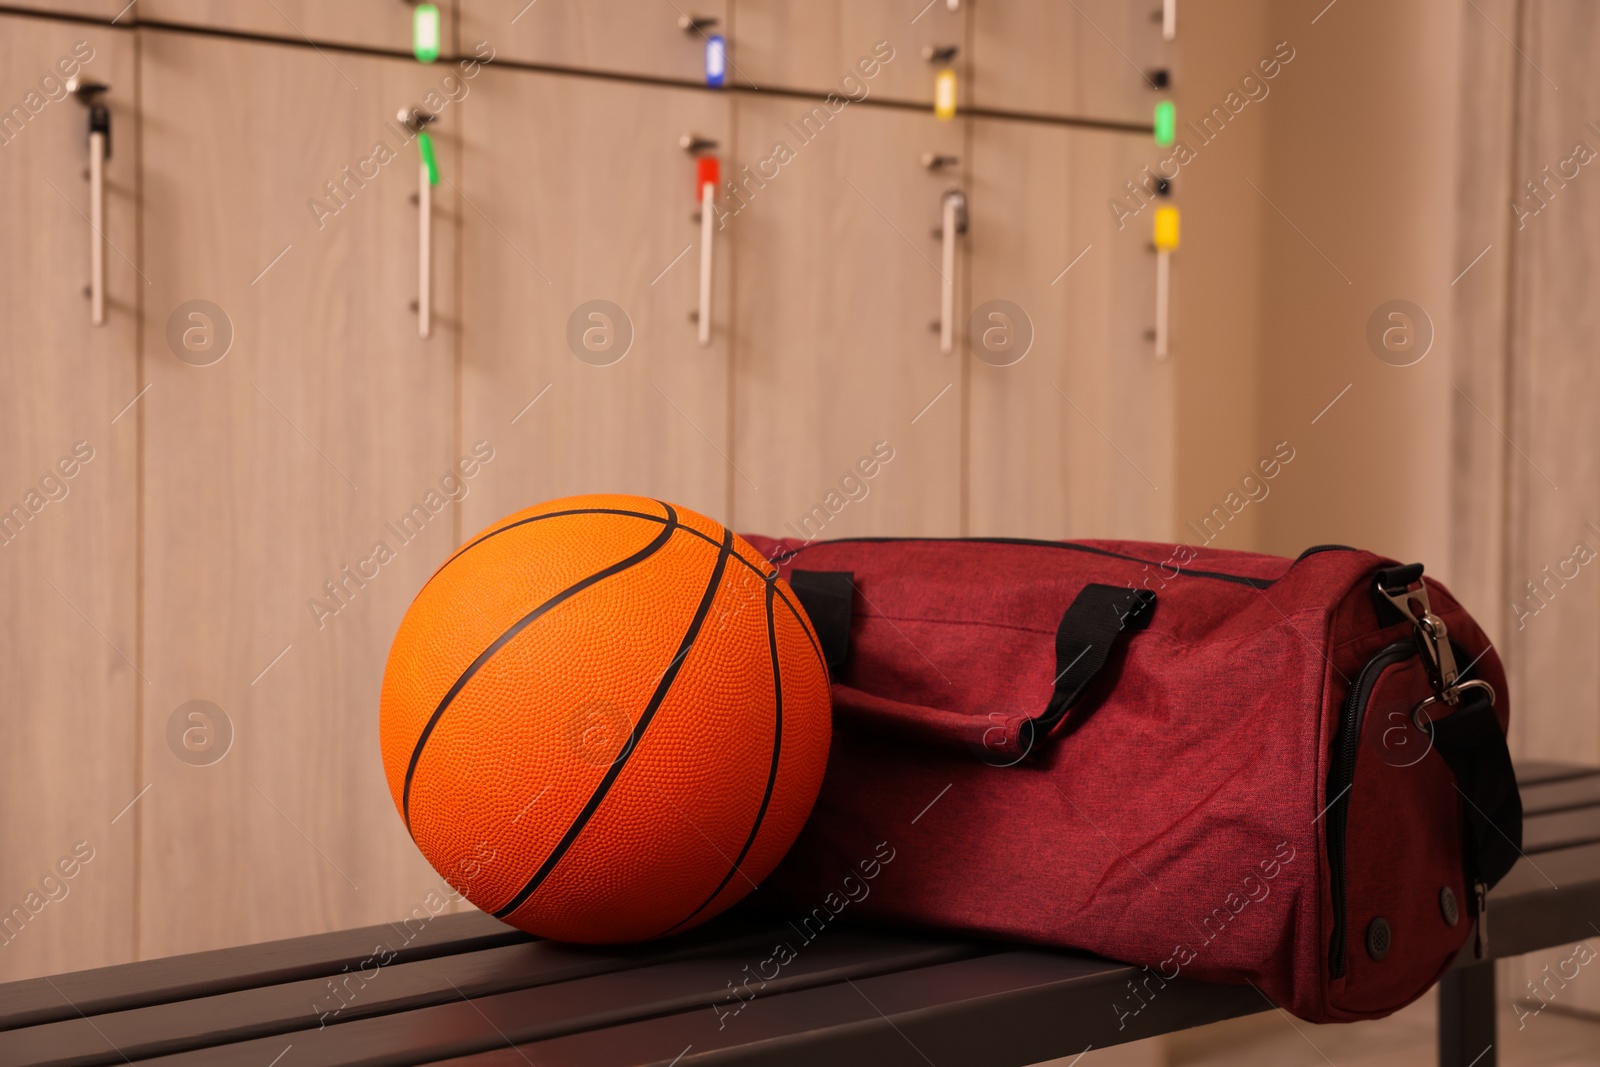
column 1237, row 579
column 1341, row 779
column 1480, row 937
column 1314, row 549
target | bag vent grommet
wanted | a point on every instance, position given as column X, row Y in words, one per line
column 1378, row 938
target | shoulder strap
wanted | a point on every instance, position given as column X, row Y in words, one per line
column 1469, row 739
column 1474, row 747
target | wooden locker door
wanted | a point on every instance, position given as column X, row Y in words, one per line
column 294, row 478
column 1086, row 59
column 68, row 507
column 578, row 192
column 838, row 368
column 1074, row 438
column 384, row 24
column 821, row 47
column 118, row 11
column 618, row 36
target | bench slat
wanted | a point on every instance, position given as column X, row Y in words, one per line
column 484, row 1023
column 1560, row 829
column 1536, row 772
column 1004, row 1010
column 130, row 985
column 1548, row 899
column 1580, row 791
column 371, row 988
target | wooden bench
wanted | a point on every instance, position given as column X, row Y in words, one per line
column 466, row 989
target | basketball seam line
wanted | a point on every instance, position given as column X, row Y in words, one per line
column 805, row 628
column 630, row 514
column 592, row 511
column 517, row 627
column 772, row 771
column 765, row 576
column 805, row 624
column 615, row 770
column 535, row 518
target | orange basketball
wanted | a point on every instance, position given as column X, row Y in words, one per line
column 605, row 718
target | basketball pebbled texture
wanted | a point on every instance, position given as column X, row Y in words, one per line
column 604, row 718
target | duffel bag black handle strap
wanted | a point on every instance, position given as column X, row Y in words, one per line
column 1098, row 618
column 1468, row 737
column 828, row 599
column 1474, row 747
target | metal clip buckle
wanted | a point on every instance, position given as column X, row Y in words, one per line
column 1422, row 722
column 1433, row 639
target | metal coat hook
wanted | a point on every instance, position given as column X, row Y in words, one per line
column 707, row 177
column 90, row 93
column 707, row 174
column 694, row 144
column 417, row 121
column 1165, row 241
column 953, row 224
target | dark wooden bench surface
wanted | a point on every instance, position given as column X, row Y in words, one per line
column 466, row 989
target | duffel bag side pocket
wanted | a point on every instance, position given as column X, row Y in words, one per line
column 1423, row 812
column 1397, row 881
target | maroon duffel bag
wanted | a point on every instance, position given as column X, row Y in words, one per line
column 1220, row 765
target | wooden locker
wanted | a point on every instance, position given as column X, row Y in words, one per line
column 118, row 11
column 1087, row 59
column 1075, row 438
column 618, row 36
column 821, row 47
column 68, row 505
column 384, row 24
column 578, row 191
column 294, row 427
column 838, row 368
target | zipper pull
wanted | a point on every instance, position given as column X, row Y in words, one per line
column 1480, row 943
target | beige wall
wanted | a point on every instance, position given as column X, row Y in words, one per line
column 1317, row 203
column 1217, row 301
column 1359, row 167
